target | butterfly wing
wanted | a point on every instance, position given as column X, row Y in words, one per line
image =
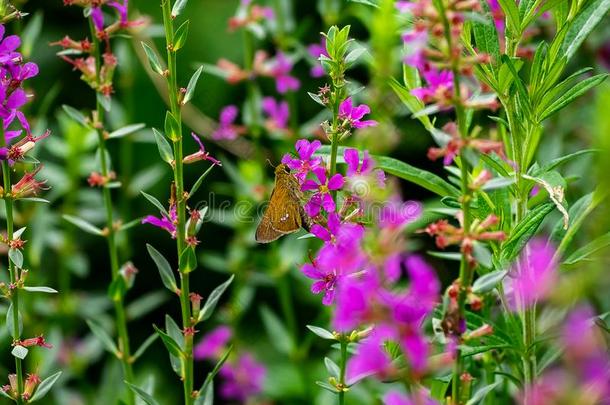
column 284, row 212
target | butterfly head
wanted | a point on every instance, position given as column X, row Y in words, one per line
column 281, row 169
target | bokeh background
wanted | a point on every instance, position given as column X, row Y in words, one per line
column 267, row 277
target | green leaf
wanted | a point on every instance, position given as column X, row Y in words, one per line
column 199, row 181
column 165, row 149
column 83, row 225
column 172, row 347
column 524, row 230
column 482, row 393
column 165, row 270
column 45, row 386
column 104, row 101
column 75, row 115
column 188, row 260
column 145, row 345
column 488, row 282
column 40, row 289
column 153, row 59
column 571, row 94
column 143, row 395
column 126, row 130
column 589, row 249
column 178, row 7
column 583, row 24
column 172, row 127
column 421, row 177
column 180, row 36
column 16, row 257
column 412, row 103
column 173, row 330
column 509, row 7
column 10, row 324
column 485, row 34
column 332, row 367
column 192, row 85
column 276, row 331
column 103, row 337
column 215, row 370
column 372, row 3
column 156, row 203
column 562, row 160
column 212, row 301
column 20, row 352
column 321, row 332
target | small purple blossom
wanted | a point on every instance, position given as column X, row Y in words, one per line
column 213, row 344
column 420, row 397
column 416, row 41
column 354, row 165
column 534, row 275
column 201, row 154
column 226, row 124
column 317, row 50
column 97, row 16
column 354, row 297
column 306, row 162
column 121, row 9
column 353, row 115
column 371, row 357
column 321, row 198
column 325, row 281
column 164, row 222
column 280, row 70
column 439, row 85
column 277, row 112
column 242, row 379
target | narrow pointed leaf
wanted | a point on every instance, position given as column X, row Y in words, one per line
column 212, row 301
column 153, row 59
column 44, row 387
column 165, row 270
column 192, row 85
column 143, row 395
column 83, row 225
column 103, row 337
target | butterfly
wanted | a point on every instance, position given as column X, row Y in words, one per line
column 284, row 214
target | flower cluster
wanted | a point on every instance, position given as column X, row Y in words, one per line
column 86, row 63
column 433, row 46
column 242, row 376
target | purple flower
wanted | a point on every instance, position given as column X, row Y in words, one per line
column 439, row 85
column 533, row 277
column 498, row 16
column 201, row 154
column 325, row 281
column 416, row 42
column 277, row 112
column 122, row 10
column 321, row 198
column 353, row 115
column 354, row 297
column 306, row 162
column 371, row 357
column 97, row 16
column 281, row 72
column 212, row 345
column 165, row 222
column 420, row 397
column 242, row 379
column 395, row 214
column 354, row 165
column 8, row 46
column 226, row 128
column 317, row 50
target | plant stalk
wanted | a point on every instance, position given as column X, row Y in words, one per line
column 13, row 270
column 181, row 246
column 118, row 299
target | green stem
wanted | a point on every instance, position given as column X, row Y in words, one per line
column 342, row 367
column 118, row 299
column 466, row 270
column 181, row 246
column 13, row 271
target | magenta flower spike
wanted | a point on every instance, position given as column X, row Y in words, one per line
column 280, row 70
column 321, row 198
column 277, row 112
column 226, row 129
column 164, row 222
column 212, row 345
column 242, row 379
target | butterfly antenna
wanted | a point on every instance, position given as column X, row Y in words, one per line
column 270, row 164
